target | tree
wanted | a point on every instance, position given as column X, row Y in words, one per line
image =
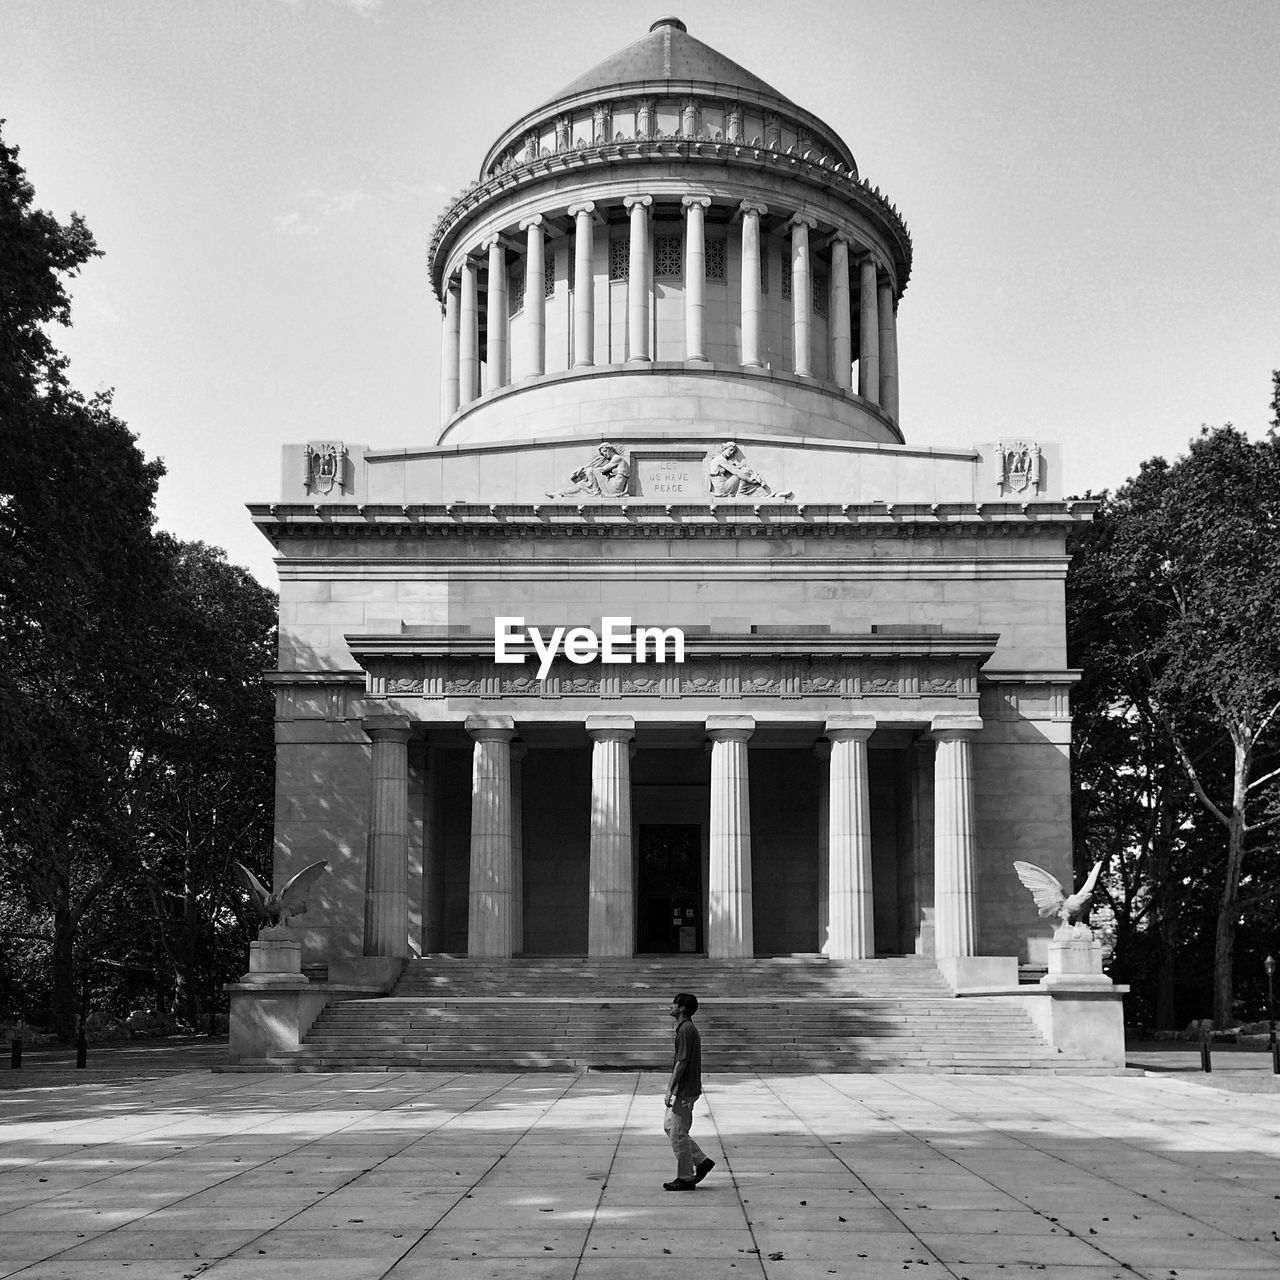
column 118, row 646
column 1174, row 596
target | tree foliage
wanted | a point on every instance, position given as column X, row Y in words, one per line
column 128, row 662
column 1172, row 614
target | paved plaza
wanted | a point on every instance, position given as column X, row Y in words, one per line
column 459, row 1177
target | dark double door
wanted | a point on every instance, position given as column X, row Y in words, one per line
column 670, row 888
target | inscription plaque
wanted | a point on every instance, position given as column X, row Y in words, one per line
column 669, row 477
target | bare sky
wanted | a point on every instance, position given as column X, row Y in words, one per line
column 1093, row 189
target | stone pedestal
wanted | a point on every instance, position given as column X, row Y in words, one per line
column 276, row 957
column 1075, row 962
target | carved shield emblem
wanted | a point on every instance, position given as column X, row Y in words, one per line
column 326, row 467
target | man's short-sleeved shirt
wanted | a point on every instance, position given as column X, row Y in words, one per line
column 688, row 1048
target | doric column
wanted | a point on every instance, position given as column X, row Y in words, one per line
column 535, row 298
column 751, row 214
column 841, row 328
column 695, row 276
column 822, row 753
column 449, row 351
column 852, row 921
column 489, row 898
column 518, row 753
column 729, row 923
column 638, row 280
column 611, row 905
column 584, row 317
column 496, row 365
column 801, row 293
column 954, row 843
column 868, row 333
column 432, row 855
column 469, row 337
column 386, row 903
column 888, row 351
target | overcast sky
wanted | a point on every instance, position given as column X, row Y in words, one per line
column 1093, row 190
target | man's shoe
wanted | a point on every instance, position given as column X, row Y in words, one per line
column 679, row 1184
column 702, row 1168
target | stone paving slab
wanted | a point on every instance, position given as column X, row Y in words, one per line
column 441, row 1175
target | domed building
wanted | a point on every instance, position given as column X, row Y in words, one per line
column 669, row 642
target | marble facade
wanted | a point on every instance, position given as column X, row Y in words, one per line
column 669, row 392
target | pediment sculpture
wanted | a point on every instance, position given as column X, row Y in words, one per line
column 729, row 476
column 607, row 475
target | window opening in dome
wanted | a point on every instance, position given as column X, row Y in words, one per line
column 624, row 120
column 713, row 121
column 667, row 118
column 716, row 260
column 764, row 267
column 666, row 257
column 549, row 275
column 515, row 293
column 619, row 259
column 820, row 288
column 786, row 276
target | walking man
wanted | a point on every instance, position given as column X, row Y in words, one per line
column 685, row 1088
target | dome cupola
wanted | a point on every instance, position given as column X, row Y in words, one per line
column 669, row 226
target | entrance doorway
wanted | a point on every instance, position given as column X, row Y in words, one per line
column 670, row 889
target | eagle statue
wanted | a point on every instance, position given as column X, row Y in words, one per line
column 1053, row 901
column 278, row 908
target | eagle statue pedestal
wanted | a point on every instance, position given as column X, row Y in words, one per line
column 1075, row 961
column 275, row 957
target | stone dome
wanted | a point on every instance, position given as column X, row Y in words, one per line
column 669, row 61
column 670, row 244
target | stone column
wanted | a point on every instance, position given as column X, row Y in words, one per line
column 954, row 842
column 852, row 920
column 751, row 214
column 841, row 327
column 518, row 753
column 469, row 337
column 489, row 899
column 611, row 903
column 868, row 333
column 584, row 311
column 695, row 276
column 888, row 351
column 386, row 903
column 449, row 336
column 535, row 298
column 801, row 294
column 729, row 924
column 496, row 314
column 638, row 281
column 432, row 856
column 822, row 753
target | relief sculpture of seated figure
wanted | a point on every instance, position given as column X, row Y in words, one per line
column 728, row 475
column 607, row 475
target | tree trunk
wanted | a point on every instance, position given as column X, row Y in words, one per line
column 64, row 974
column 1166, row 912
column 1224, row 942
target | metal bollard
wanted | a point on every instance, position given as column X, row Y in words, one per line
column 1206, row 1062
column 1275, row 1058
column 82, row 1049
column 15, row 1054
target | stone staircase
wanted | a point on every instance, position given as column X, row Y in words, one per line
column 800, row 1014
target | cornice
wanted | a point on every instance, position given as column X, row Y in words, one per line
column 674, row 521
column 809, row 169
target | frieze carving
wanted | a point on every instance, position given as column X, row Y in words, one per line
column 729, row 476
column 607, row 475
column 702, row 676
column 1018, row 466
column 822, row 677
column 879, row 678
column 327, row 466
